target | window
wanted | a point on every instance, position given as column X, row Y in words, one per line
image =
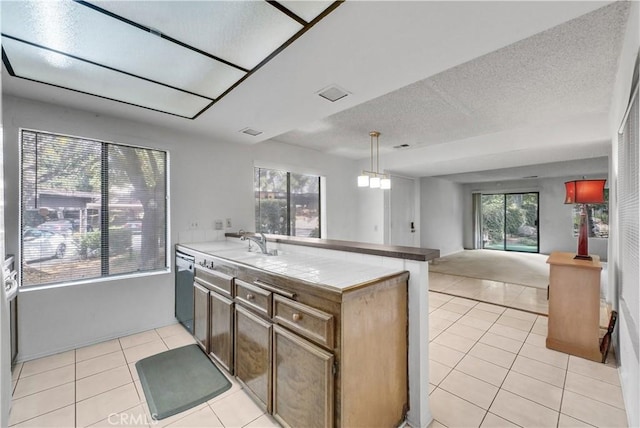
column 90, row 209
column 597, row 218
column 287, row 203
column 510, row 221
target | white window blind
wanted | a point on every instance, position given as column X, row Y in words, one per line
column 628, row 188
column 90, row 209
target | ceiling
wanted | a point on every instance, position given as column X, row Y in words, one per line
column 469, row 86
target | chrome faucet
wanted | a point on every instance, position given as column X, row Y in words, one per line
column 261, row 241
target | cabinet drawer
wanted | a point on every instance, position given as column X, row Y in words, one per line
column 304, row 320
column 254, row 297
column 217, row 281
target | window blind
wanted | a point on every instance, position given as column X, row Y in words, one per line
column 629, row 233
column 90, row 209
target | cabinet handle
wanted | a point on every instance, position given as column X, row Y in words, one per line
column 250, row 296
column 296, row 317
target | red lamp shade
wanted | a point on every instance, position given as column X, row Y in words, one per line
column 584, row 192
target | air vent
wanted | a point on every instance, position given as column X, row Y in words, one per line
column 401, row 146
column 251, row 131
column 530, row 176
column 333, row 93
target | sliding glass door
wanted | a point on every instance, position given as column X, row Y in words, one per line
column 510, row 222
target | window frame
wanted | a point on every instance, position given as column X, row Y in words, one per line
column 102, row 278
column 288, row 172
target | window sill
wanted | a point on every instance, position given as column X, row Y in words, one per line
column 93, row 281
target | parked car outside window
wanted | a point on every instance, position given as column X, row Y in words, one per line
column 40, row 244
column 63, row 227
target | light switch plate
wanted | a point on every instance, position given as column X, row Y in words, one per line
column 228, row 221
column 218, row 225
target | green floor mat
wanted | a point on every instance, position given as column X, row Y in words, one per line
column 179, row 379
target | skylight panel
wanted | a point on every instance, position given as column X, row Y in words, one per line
column 193, row 52
column 307, row 10
column 82, row 32
column 69, row 73
column 241, row 32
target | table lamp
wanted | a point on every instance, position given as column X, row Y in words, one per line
column 584, row 192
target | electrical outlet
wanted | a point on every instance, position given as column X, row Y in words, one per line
column 193, row 225
column 228, row 223
column 217, row 225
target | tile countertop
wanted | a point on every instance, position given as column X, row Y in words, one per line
column 337, row 274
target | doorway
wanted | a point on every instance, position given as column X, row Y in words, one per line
column 510, row 222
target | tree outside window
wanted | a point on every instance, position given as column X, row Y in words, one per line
column 287, row 203
column 104, row 205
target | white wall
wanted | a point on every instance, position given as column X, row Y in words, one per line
column 370, row 214
column 209, row 181
column 629, row 311
column 556, row 230
column 441, row 215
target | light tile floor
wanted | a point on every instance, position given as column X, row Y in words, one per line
column 99, row 386
column 500, row 293
column 488, row 368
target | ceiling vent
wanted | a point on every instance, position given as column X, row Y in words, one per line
column 333, row 93
column 401, row 146
column 251, row 131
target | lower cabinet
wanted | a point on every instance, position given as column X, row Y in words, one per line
column 310, row 357
column 253, row 354
column 201, row 315
column 302, row 381
column 221, row 329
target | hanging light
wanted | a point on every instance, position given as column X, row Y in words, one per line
column 374, row 179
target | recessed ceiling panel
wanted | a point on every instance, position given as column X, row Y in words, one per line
column 241, row 32
column 34, row 63
column 83, row 32
column 307, row 10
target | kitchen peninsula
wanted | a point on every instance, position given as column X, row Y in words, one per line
column 320, row 334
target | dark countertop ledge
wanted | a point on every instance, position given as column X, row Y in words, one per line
column 396, row 251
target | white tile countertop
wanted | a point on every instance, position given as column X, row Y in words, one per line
column 338, row 274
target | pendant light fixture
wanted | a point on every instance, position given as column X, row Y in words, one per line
column 374, row 179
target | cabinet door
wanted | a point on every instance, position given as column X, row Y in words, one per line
column 303, row 382
column 221, row 329
column 253, row 354
column 200, row 315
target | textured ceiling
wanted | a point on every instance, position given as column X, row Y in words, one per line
column 558, row 75
column 469, row 85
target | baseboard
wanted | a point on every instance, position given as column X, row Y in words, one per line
column 24, row 358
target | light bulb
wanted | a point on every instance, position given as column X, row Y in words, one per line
column 363, row 181
column 374, row 182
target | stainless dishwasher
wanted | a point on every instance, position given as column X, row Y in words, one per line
column 184, row 289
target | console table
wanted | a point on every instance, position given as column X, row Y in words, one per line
column 574, row 305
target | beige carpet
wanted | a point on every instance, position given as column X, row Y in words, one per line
column 502, row 266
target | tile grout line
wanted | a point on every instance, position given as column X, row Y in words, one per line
column 465, row 354
column 509, row 369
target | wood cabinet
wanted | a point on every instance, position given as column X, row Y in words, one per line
column 574, row 305
column 221, row 329
column 213, row 315
column 311, row 355
column 253, row 354
column 201, row 315
column 302, row 381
